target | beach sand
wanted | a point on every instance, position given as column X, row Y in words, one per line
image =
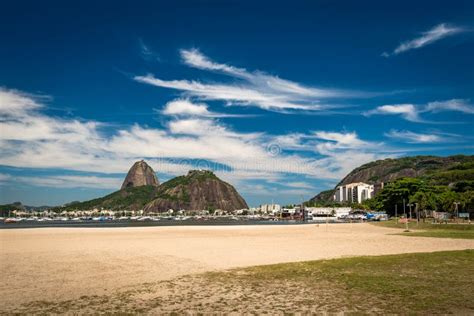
column 57, row 264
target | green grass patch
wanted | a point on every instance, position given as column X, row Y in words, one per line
column 442, row 233
column 410, row 283
column 428, row 229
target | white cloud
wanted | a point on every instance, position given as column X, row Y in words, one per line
column 458, row 105
column 204, row 127
column 346, row 139
column 232, row 94
column 186, row 107
column 251, row 88
column 13, row 102
column 336, row 142
column 415, row 138
column 74, row 182
column 31, row 139
column 298, row 184
column 65, row 181
column 344, row 151
column 293, row 141
column 195, row 58
column 411, row 112
column 435, row 34
column 407, row 111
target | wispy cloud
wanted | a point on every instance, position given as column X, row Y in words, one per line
column 72, row 144
column 146, row 53
column 344, row 144
column 64, row 181
column 250, row 88
column 344, row 151
column 17, row 103
column 186, row 107
column 407, row 111
column 433, row 35
column 194, row 58
column 298, row 185
column 459, row 105
column 412, row 112
column 415, row 138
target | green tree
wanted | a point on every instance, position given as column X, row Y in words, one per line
column 467, row 201
column 426, row 200
column 446, row 201
column 394, row 194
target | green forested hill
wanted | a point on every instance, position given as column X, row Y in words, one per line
column 442, row 176
column 133, row 198
column 439, row 170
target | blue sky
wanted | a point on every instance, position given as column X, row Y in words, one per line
column 280, row 100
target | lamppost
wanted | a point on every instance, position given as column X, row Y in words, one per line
column 406, row 218
column 456, row 204
column 404, row 211
column 417, row 214
column 396, row 213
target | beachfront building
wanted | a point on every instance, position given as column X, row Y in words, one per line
column 329, row 211
column 270, row 208
column 354, row 192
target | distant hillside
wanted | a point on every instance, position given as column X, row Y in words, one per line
column 5, row 209
column 453, row 171
column 323, row 196
column 132, row 198
column 198, row 190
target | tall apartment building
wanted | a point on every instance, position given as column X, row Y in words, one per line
column 270, row 208
column 354, row 192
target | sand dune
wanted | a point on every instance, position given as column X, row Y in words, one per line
column 65, row 263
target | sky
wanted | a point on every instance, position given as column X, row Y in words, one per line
column 281, row 100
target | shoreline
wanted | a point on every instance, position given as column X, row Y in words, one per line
column 161, row 223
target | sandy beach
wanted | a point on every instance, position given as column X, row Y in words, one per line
column 54, row 264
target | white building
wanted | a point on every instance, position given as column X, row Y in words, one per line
column 270, row 208
column 336, row 211
column 354, row 192
column 291, row 211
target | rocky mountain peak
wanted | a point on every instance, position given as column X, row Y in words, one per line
column 198, row 190
column 140, row 174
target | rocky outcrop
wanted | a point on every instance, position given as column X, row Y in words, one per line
column 198, row 190
column 140, row 174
